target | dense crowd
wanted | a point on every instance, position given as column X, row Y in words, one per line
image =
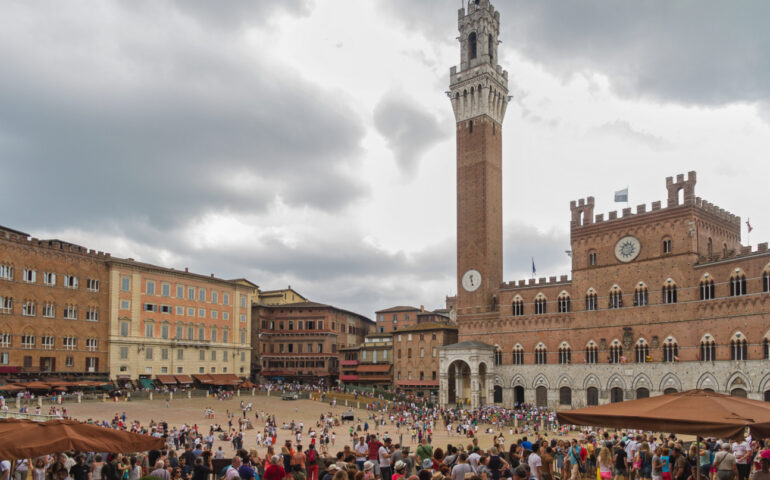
column 395, row 441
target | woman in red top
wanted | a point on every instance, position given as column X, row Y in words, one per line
column 275, row 470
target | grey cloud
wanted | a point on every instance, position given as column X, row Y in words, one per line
column 524, row 242
column 239, row 13
column 163, row 129
column 708, row 52
column 623, row 129
column 409, row 130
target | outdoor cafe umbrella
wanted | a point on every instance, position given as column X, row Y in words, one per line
column 694, row 412
column 21, row 438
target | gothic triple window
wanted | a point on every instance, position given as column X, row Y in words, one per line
column 641, row 296
column 564, row 302
column 540, row 304
column 737, row 283
column 616, row 298
column 592, row 352
column 591, row 300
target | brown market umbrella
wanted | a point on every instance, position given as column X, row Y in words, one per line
column 694, row 412
column 22, row 438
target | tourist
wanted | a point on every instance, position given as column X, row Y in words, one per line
column 546, row 472
column 384, row 459
column 535, row 462
column 80, row 470
column 645, row 462
column 763, row 473
column 621, row 461
column 362, row 450
column 743, row 455
column 400, row 471
column 275, row 470
column 725, row 463
column 160, row 471
column 604, row 463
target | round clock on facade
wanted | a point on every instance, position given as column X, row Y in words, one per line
column 627, row 248
column 471, row 280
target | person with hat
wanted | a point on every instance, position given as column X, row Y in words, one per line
column 369, row 470
column 400, row 471
column 330, row 471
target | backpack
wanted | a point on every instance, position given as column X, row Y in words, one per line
column 312, row 455
column 576, row 454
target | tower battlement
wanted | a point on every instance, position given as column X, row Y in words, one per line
column 480, row 85
column 582, row 210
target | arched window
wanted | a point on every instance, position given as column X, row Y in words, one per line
column 766, row 279
column 541, row 355
column 565, row 396
column 669, row 292
column 739, row 347
column 592, row 352
column 498, row 355
column 540, row 304
column 472, row 46
column 591, row 299
column 518, row 306
column 491, row 48
column 670, row 350
column 616, row 298
column 565, row 354
column 666, row 245
column 616, row 352
column 592, row 258
column 707, row 287
column 641, row 296
column 518, row 355
column 766, row 345
column 708, row 349
column 737, row 283
column 642, row 351
column 710, row 247
column 564, row 302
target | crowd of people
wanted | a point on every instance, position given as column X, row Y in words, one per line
column 395, row 441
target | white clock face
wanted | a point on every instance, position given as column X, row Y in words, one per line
column 627, row 248
column 471, row 280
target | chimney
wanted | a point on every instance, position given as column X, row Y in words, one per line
column 186, row 270
column 422, row 308
column 212, row 275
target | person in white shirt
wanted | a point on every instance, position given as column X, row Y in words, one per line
column 535, row 462
column 362, row 451
column 473, row 460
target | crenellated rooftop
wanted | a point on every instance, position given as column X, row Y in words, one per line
column 25, row 239
column 541, row 282
column 582, row 210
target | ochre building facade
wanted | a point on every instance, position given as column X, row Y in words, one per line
column 172, row 322
column 661, row 297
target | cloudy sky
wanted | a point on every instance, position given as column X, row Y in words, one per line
column 310, row 143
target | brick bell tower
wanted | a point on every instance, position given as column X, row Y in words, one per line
column 478, row 90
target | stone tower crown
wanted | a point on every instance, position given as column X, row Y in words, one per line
column 480, row 87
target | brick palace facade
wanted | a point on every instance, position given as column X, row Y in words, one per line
column 659, row 299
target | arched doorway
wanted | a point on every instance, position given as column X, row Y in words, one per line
column 592, row 396
column 642, row 393
column 616, row 395
column 565, row 396
column 669, row 391
column 459, row 391
column 541, row 396
column 498, row 394
column 738, row 392
column 518, row 395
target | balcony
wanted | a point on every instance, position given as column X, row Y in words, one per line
column 348, row 363
column 349, row 378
